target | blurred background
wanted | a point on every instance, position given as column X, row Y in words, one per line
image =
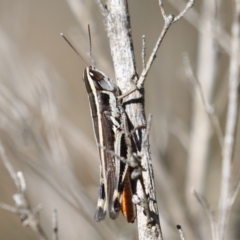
column 46, row 128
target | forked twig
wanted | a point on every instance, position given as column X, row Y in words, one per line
column 29, row 216
column 153, row 55
column 168, row 21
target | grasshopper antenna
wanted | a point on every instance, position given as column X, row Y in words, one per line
column 90, row 42
column 74, row 49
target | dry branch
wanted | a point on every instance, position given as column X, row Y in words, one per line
column 231, row 124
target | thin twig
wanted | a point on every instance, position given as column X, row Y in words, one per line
column 209, row 108
column 143, row 51
column 13, row 209
column 168, row 21
column 231, row 124
column 184, row 11
column 235, row 192
column 55, row 224
column 162, row 10
column 22, row 182
column 9, row 167
column 210, row 213
column 145, row 71
column 179, row 228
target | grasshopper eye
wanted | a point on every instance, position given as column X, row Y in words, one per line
column 96, row 75
column 100, row 80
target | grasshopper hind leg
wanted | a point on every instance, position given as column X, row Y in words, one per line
column 114, row 204
column 101, row 205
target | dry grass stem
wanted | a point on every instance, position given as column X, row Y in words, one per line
column 209, row 108
column 55, row 224
column 210, row 213
column 235, row 192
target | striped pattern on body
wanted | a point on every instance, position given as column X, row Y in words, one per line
column 116, row 189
